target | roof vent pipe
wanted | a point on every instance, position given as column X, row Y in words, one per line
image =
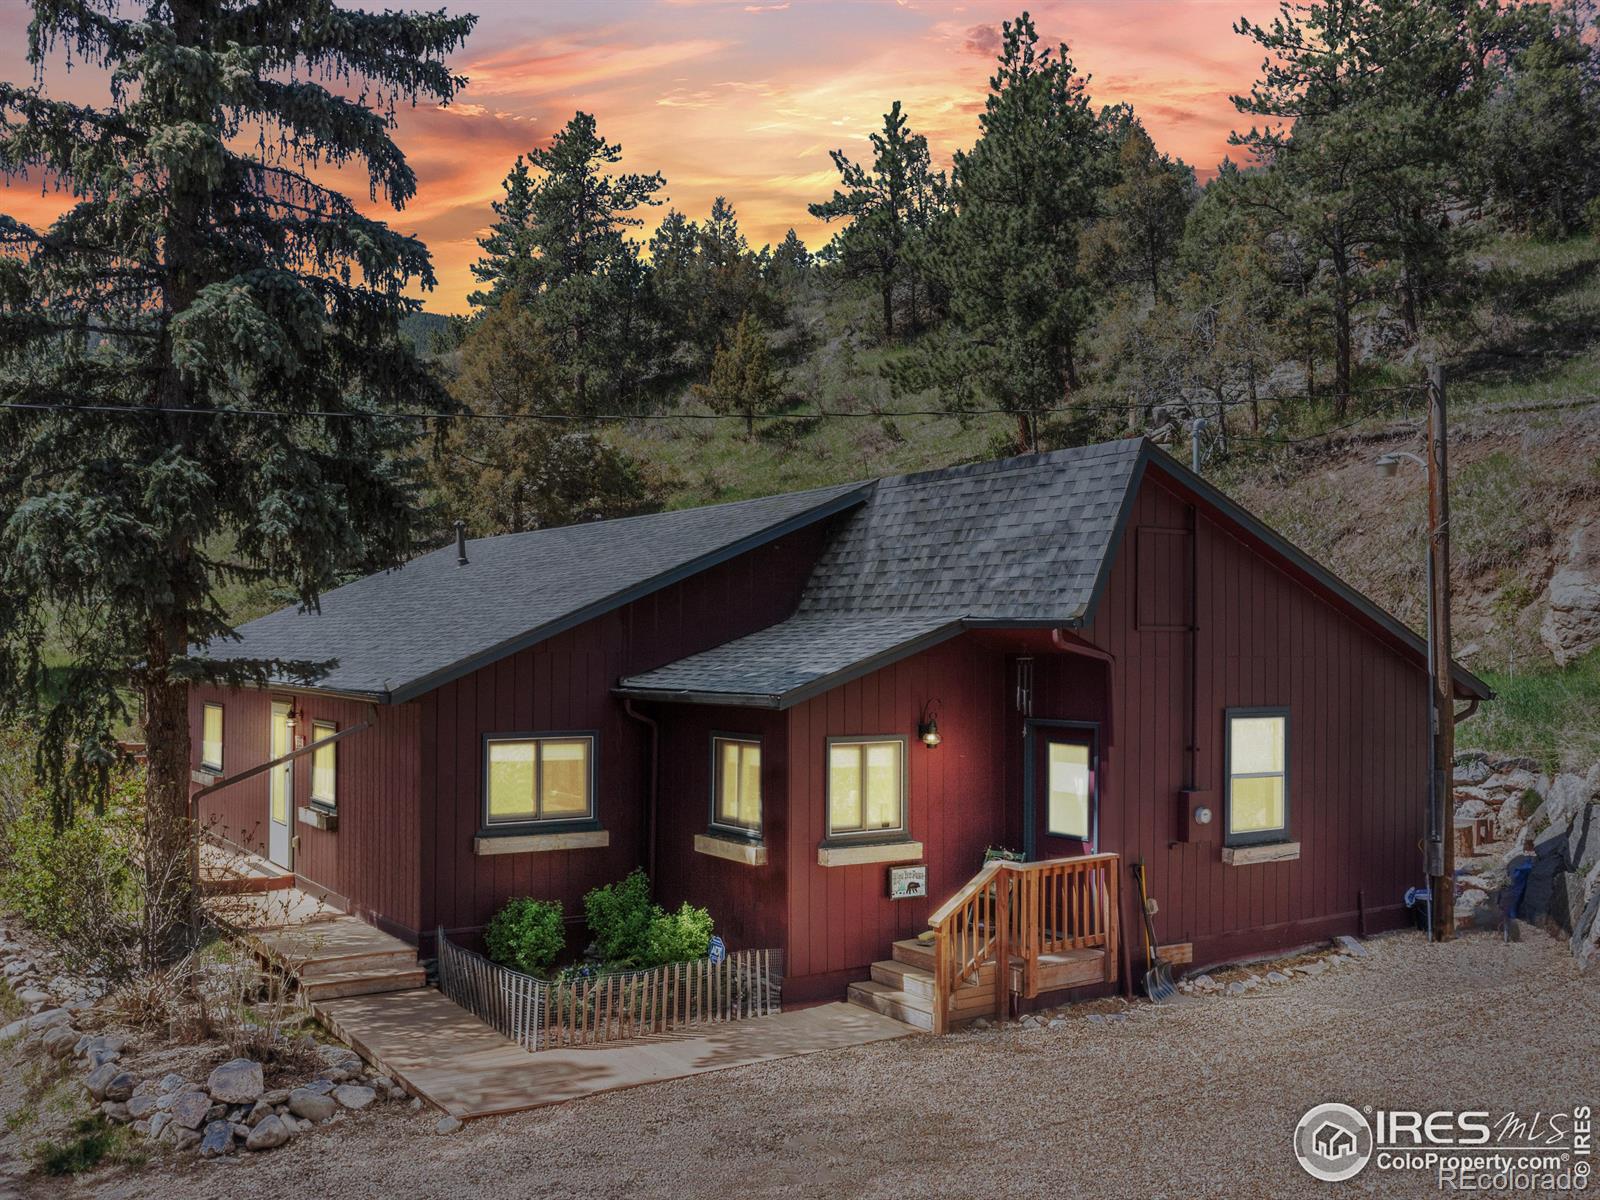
column 461, row 543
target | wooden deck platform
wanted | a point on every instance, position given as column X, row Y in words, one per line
column 225, row 872
column 452, row 1060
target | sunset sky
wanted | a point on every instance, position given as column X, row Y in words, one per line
column 744, row 98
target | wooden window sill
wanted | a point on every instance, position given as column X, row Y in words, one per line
column 318, row 818
column 843, row 855
column 540, row 843
column 752, row 854
column 1243, row 856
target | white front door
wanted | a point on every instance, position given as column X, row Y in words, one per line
column 280, row 789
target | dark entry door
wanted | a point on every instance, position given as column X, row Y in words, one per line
column 1063, row 766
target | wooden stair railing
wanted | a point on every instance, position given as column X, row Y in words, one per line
column 1023, row 911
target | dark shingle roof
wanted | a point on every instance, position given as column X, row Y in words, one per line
column 1023, row 540
column 775, row 666
column 1019, row 539
column 400, row 633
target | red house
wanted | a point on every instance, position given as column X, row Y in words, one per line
column 1091, row 658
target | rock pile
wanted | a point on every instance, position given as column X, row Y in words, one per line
column 233, row 1108
column 1560, row 815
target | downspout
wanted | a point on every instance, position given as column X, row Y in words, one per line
column 1191, row 759
column 650, row 810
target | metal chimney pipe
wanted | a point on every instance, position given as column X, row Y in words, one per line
column 461, row 543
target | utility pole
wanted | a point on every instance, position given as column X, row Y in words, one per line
column 1443, row 881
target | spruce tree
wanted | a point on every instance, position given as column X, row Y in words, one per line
column 198, row 358
column 743, row 379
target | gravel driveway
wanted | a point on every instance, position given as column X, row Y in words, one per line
column 1196, row 1099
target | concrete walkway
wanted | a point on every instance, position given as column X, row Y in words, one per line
column 448, row 1057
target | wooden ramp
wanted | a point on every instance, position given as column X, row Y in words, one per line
column 451, row 1059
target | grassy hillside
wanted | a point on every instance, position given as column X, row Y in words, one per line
column 1523, row 364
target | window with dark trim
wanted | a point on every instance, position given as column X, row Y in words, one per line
column 736, row 786
column 211, row 738
column 1256, row 752
column 866, row 786
column 324, row 766
column 538, row 779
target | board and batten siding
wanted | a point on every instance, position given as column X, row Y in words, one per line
column 1358, row 754
column 369, row 864
column 1357, row 743
column 747, row 902
column 564, row 684
column 840, row 918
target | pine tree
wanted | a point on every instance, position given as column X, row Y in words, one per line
column 561, row 245
column 506, row 265
column 743, row 380
column 1020, row 296
column 886, row 206
column 508, row 471
column 1144, row 210
column 201, row 270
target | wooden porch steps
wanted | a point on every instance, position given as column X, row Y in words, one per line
column 333, row 955
column 902, row 987
column 337, row 985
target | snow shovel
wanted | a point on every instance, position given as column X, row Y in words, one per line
column 1158, row 983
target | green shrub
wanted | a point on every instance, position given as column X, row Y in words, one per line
column 619, row 916
column 630, row 930
column 526, row 935
column 79, row 888
column 677, row 937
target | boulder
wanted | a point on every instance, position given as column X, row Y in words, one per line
column 14, row 1030
column 217, row 1140
column 32, row 997
column 1351, row 946
column 99, row 1079
column 1571, row 625
column 58, row 1042
column 48, row 1018
column 276, row 1096
column 190, row 1109
column 236, row 1082
column 313, row 1106
column 268, row 1134
column 158, row 1122
column 115, row 1110
column 141, row 1107
column 448, row 1124
column 184, row 1139
column 120, row 1088
column 350, row 1095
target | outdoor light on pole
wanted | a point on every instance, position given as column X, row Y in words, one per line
column 1439, row 851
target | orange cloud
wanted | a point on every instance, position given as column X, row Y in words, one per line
column 749, row 108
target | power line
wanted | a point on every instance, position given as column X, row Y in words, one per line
column 1120, row 409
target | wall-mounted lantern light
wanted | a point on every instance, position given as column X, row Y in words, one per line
column 928, row 727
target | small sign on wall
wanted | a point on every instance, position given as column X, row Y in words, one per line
column 906, row 883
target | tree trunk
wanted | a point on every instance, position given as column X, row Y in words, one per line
column 171, row 844
column 1341, row 333
column 887, row 289
column 1255, row 399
